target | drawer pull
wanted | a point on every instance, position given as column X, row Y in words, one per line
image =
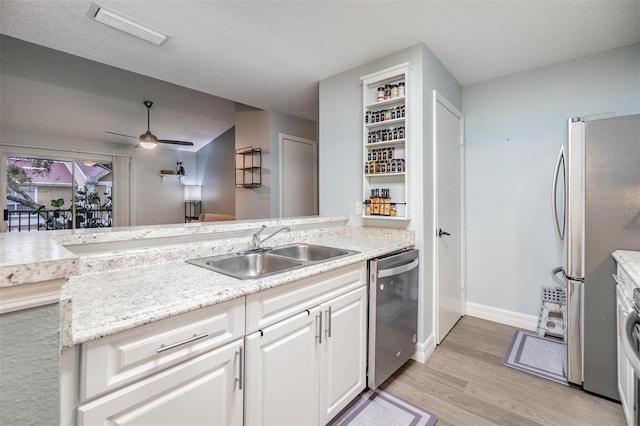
column 620, row 280
column 195, row 337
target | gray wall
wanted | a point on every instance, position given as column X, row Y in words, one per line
column 340, row 132
column 252, row 129
column 215, row 172
column 290, row 125
column 30, row 367
column 261, row 129
column 514, row 128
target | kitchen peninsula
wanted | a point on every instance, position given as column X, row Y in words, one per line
column 114, row 281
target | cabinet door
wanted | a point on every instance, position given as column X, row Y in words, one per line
column 203, row 390
column 343, row 352
column 282, row 372
column 625, row 371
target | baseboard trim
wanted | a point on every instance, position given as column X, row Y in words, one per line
column 514, row 319
column 425, row 349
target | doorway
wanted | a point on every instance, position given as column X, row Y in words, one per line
column 298, row 176
column 448, row 215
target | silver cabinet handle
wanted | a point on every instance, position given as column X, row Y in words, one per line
column 328, row 314
column 241, row 368
column 619, row 279
column 397, row 270
column 195, row 337
column 319, row 327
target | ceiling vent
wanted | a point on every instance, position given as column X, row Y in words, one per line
column 121, row 23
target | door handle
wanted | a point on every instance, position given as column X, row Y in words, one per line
column 554, row 192
column 441, row 233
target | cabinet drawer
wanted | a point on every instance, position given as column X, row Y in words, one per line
column 273, row 305
column 200, row 391
column 122, row 358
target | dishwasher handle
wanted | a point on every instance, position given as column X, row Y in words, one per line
column 398, row 269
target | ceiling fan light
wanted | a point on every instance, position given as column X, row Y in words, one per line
column 148, row 140
column 148, row 145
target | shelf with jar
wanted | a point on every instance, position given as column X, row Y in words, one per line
column 385, row 125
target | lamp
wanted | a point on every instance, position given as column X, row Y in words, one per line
column 192, row 202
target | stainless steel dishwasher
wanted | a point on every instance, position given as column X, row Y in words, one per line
column 393, row 313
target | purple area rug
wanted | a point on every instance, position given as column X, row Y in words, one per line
column 381, row 408
column 540, row 356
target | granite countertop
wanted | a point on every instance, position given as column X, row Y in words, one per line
column 126, row 292
column 630, row 262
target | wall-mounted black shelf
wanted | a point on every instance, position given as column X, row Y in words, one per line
column 248, row 167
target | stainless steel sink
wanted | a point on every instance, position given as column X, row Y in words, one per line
column 247, row 266
column 310, row 253
column 269, row 261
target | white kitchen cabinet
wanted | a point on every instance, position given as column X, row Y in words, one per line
column 386, row 135
column 624, row 293
column 305, row 369
column 343, row 352
column 203, row 390
column 281, row 383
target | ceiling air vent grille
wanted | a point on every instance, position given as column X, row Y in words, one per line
column 121, row 23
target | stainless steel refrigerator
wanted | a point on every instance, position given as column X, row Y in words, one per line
column 596, row 205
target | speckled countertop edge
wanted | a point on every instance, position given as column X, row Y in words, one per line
column 108, row 302
column 28, row 257
column 630, row 262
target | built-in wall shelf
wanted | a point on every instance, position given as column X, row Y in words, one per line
column 179, row 177
column 386, row 134
column 248, row 167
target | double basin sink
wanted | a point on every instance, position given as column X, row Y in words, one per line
column 269, row 261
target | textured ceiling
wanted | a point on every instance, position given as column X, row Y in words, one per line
column 271, row 54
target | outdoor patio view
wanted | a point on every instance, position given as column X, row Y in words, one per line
column 44, row 194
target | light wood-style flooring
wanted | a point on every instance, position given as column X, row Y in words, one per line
column 465, row 383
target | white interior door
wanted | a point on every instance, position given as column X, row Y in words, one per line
column 449, row 204
column 298, row 176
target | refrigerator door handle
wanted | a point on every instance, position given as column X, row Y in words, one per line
column 558, row 280
column 554, row 194
column 397, row 270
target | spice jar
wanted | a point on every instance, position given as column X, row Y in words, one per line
column 380, row 96
column 394, row 91
column 387, row 91
column 401, row 89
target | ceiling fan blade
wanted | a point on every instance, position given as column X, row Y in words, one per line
column 175, row 142
column 120, row 134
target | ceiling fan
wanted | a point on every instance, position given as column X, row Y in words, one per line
column 148, row 140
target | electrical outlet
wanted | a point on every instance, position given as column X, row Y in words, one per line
column 358, row 207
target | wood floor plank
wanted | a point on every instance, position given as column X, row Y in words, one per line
column 465, row 383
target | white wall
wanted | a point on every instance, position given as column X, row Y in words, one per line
column 514, row 127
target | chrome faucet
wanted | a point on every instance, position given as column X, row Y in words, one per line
column 256, row 240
